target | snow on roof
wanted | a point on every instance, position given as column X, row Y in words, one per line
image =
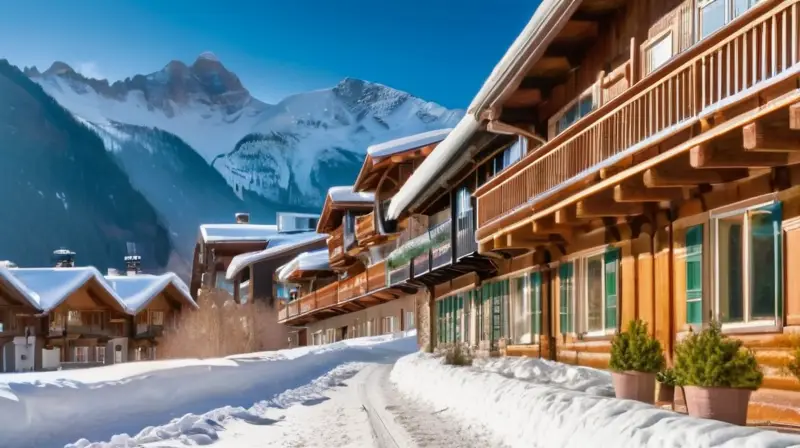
column 51, row 286
column 215, row 233
column 31, row 297
column 278, row 245
column 433, row 167
column 137, row 291
column 346, row 194
column 317, row 260
column 386, row 149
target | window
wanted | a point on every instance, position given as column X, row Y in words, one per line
column 74, row 318
column 80, row 354
column 714, row 14
column 330, row 335
column 521, row 302
column 659, row 52
column 409, row 322
column 156, row 318
column 2, row 328
column 600, row 292
column 575, row 111
column 748, row 264
column 694, row 275
column 388, row 324
column 507, row 157
column 152, row 353
column 100, row 354
column 536, row 305
column 566, row 298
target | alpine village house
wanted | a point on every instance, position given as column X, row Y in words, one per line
column 625, row 159
column 71, row 317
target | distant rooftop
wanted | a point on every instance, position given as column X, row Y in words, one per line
column 346, row 194
column 137, row 291
column 317, row 260
column 278, row 245
column 215, row 233
column 49, row 287
column 403, row 144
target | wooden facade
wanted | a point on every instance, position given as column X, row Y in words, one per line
column 658, row 180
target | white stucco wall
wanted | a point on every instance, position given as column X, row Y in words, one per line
column 366, row 322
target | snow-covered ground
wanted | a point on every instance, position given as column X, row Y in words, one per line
column 534, row 403
column 157, row 402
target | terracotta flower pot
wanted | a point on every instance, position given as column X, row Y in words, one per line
column 637, row 386
column 725, row 404
column 666, row 394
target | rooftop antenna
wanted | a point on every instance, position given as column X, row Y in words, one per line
column 133, row 261
column 64, row 258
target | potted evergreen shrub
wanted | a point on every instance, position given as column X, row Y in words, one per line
column 666, row 386
column 635, row 359
column 717, row 375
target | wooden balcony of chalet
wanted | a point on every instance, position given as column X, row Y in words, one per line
column 727, row 104
column 352, row 294
column 367, row 233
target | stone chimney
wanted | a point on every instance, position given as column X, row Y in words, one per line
column 242, row 218
column 64, row 258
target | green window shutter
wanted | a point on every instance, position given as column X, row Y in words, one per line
column 694, row 275
column 536, row 302
column 565, row 297
column 611, row 273
column 766, row 262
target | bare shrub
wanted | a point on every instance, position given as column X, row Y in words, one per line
column 457, row 355
column 221, row 327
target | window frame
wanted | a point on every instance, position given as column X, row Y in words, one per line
column 569, row 316
column 747, row 323
column 728, row 12
column 552, row 124
column 652, row 43
column 100, row 354
column 84, row 350
column 584, row 294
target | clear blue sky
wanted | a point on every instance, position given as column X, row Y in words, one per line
column 440, row 50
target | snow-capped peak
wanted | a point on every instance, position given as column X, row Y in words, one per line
column 290, row 152
column 208, row 56
column 59, row 68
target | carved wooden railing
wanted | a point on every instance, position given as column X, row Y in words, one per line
column 374, row 278
column 711, row 73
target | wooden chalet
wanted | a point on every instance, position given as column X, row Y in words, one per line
column 358, row 293
column 154, row 302
column 657, row 179
column 219, row 244
column 18, row 320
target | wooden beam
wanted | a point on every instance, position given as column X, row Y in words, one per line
column 710, row 156
column 551, row 66
column 760, row 138
column 638, row 192
column 663, row 176
column 566, row 215
column 600, row 207
column 524, row 97
column 500, row 242
column 794, row 117
column 578, row 29
column 549, row 226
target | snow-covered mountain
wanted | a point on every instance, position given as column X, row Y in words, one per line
column 288, row 153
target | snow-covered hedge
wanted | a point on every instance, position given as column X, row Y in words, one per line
column 534, row 403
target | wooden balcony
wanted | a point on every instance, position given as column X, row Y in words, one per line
column 356, row 293
column 367, row 232
column 713, row 87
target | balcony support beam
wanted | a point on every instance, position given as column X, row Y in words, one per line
column 549, row 226
column 601, row 207
column 794, row 117
column 566, row 215
column 634, row 190
column 666, row 176
column 711, row 156
column 759, row 138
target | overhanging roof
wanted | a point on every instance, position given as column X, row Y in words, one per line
column 317, row 260
column 279, row 245
column 137, row 291
column 454, row 152
column 337, row 201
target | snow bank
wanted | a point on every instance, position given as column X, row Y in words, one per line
column 56, row 408
column 193, row 429
column 528, row 403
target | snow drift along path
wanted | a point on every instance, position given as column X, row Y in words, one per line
column 45, row 409
column 535, row 403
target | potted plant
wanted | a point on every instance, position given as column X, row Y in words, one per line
column 717, row 375
column 635, row 359
column 666, row 386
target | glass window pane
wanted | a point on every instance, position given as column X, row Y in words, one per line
column 765, row 260
column 536, row 302
column 585, row 106
column 660, row 52
column 594, row 293
column 712, row 17
column 729, row 256
column 612, row 285
column 565, row 295
column 694, row 275
column 740, row 6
